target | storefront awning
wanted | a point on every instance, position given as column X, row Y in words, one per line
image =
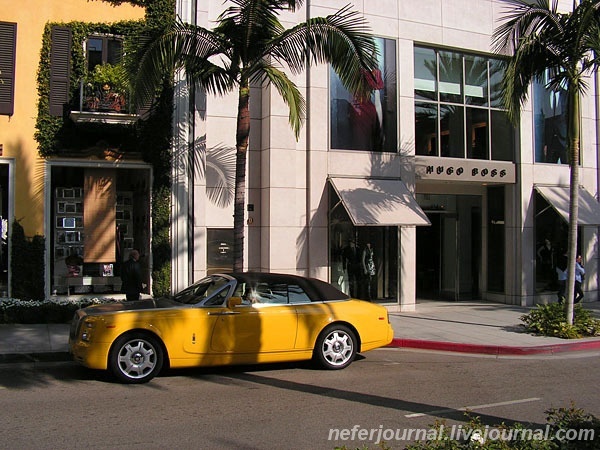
column 559, row 199
column 378, row 202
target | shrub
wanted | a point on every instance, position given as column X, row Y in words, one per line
column 551, row 320
column 518, row 436
column 44, row 311
column 573, row 418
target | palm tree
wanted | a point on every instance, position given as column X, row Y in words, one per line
column 249, row 45
column 542, row 41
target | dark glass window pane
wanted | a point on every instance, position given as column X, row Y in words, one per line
column 476, row 80
column 503, row 137
column 496, row 74
column 368, row 124
column 114, row 51
column 426, row 118
column 451, row 69
column 94, row 52
column 452, row 131
column 496, row 231
column 425, row 74
column 477, row 133
column 102, row 50
column 550, row 121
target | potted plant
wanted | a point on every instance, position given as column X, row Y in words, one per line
column 106, row 87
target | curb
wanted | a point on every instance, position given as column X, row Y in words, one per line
column 498, row 350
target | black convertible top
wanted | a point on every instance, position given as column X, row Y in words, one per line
column 316, row 289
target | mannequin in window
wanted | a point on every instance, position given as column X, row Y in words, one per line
column 352, row 266
column 368, row 265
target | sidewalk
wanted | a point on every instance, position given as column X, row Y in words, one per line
column 479, row 327
column 467, row 327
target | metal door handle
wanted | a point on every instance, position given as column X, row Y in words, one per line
column 223, row 313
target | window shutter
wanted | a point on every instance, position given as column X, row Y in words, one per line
column 60, row 69
column 8, row 50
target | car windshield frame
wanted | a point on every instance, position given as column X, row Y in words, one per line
column 212, row 290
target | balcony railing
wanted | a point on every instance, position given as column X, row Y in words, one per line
column 100, row 104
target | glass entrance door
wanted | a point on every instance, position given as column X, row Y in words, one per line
column 450, row 257
column 448, row 262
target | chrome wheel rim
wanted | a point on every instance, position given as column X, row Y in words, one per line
column 137, row 359
column 337, row 348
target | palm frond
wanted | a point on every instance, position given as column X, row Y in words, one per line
column 342, row 39
column 531, row 34
column 522, row 19
column 250, row 24
column 181, row 46
column 288, row 91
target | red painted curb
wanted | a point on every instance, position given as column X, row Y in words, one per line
column 494, row 349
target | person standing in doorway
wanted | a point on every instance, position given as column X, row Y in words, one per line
column 131, row 276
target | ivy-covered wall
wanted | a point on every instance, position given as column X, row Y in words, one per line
column 150, row 137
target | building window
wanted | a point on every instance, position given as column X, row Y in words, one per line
column 8, row 48
column 364, row 259
column 550, row 122
column 99, row 214
column 458, row 110
column 369, row 124
column 103, row 50
column 551, row 235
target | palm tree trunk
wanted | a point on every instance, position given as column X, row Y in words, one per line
column 241, row 146
column 573, row 136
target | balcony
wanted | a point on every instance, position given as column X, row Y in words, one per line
column 98, row 103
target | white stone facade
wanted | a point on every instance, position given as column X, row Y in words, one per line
column 287, row 180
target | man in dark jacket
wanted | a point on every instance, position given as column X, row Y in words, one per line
column 131, row 276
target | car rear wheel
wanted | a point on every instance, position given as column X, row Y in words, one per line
column 135, row 358
column 336, row 347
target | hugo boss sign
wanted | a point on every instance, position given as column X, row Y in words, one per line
column 447, row 169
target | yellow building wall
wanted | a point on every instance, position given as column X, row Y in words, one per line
column 17, row 131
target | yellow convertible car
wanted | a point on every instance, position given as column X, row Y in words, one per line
column 239, row 318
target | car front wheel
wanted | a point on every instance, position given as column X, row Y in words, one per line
column 135, row 358
column 335, row 348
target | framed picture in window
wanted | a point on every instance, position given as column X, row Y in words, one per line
column 68, row 222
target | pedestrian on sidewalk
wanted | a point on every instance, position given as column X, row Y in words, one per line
column 579, row 277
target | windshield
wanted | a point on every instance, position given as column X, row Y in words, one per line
column 201, row 290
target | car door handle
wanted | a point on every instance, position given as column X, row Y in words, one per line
column 223, row 313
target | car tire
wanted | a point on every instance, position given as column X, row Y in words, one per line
column 136, row 358
column 335, row 348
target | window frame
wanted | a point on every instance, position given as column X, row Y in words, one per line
column 104, row 53
column 486, row 108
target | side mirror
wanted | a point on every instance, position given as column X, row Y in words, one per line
column 232, row 302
